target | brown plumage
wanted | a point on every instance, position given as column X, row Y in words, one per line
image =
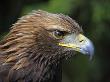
column 30, row 53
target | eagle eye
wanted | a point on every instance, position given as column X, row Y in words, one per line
column 59, row 34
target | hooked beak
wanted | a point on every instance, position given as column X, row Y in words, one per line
column 78, row 43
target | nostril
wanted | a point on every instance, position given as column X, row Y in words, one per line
column 81, row 41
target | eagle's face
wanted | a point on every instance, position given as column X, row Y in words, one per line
column 61, row 36
column 67, row 41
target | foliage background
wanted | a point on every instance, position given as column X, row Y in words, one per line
column 92, row 15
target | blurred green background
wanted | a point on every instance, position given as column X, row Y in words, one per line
column 92, row 15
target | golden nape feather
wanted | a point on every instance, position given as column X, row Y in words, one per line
column 36, row 45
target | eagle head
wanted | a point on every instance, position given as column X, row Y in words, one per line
column 59, row 36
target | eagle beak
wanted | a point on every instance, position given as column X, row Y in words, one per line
column 79, row 43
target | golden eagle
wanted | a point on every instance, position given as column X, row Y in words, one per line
column 33, row 49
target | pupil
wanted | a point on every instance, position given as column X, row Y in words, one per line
column 59, row 33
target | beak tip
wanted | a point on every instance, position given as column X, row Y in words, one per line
column 91, row 57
